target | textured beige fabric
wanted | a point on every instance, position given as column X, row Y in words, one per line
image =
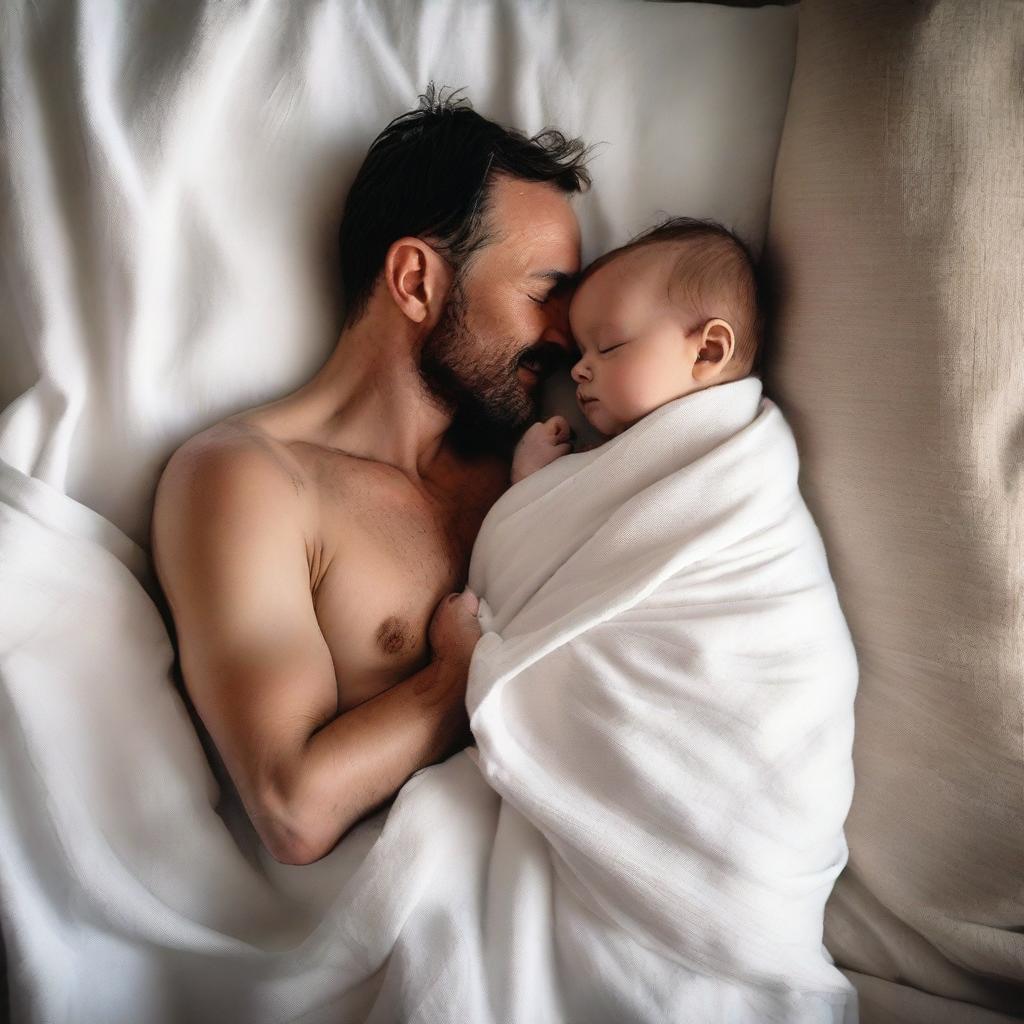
column 896, row 245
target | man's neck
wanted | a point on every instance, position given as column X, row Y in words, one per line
column 368, row 400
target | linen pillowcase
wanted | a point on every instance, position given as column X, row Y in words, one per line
column 894, row 248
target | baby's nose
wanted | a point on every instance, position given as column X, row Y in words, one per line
column 579, row 371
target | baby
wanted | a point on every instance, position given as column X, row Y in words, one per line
column 661, row 679
column 674, row 311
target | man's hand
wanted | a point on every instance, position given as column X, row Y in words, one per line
column 453, row 633
column 542, row 443
column 454, row 628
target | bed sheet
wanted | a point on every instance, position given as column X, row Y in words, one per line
column 172, row 177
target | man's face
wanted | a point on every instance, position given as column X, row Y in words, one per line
column 505, row 325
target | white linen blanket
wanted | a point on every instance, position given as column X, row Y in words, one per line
column 663, row 707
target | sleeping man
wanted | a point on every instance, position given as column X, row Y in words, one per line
column 303, row 545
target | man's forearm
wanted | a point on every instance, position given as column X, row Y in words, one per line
column 359, row 760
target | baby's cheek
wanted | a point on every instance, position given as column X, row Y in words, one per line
column 633, row 385
column 645, row 389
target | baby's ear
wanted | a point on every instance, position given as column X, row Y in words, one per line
column 716, row 348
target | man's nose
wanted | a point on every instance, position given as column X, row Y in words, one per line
column 557, row 328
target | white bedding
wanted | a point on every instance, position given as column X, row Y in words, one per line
column 172, row 176
column 663, row 702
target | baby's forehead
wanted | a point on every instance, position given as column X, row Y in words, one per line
column 627, row 288
column 623, row 269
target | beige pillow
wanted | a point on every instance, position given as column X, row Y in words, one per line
column 895, row 247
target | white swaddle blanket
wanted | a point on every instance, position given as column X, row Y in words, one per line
column 665, row 690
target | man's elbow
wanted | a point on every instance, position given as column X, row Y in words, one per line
column 288, row 845
column 292, row 834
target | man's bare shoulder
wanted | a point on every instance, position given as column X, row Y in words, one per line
column 227, row 470
column 231, row 451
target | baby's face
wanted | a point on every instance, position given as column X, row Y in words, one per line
column 634, row 350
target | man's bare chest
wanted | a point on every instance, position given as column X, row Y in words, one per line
column 381, row 556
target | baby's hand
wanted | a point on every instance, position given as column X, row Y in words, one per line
column 541, row 444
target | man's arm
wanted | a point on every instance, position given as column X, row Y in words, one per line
column 229, row 548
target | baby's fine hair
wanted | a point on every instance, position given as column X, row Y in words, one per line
column 719, row 277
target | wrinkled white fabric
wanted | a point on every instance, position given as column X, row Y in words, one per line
column 665, row 690
column 173, row 175
column 663, row 705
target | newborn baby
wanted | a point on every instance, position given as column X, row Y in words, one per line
column 662, row 691
column 672, row 312
column 662, row 681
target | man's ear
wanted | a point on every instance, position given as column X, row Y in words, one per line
column 717, row 345
column 417, row 278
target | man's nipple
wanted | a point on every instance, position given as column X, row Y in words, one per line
column 394, row 636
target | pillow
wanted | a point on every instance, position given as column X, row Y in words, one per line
column 894, row 245
column 174, row 176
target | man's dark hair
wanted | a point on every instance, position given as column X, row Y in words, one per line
column 719, row 275
column 430, row 174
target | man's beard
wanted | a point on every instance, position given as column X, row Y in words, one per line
column 489, row 406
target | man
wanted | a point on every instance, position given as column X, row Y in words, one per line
column 304, row 545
